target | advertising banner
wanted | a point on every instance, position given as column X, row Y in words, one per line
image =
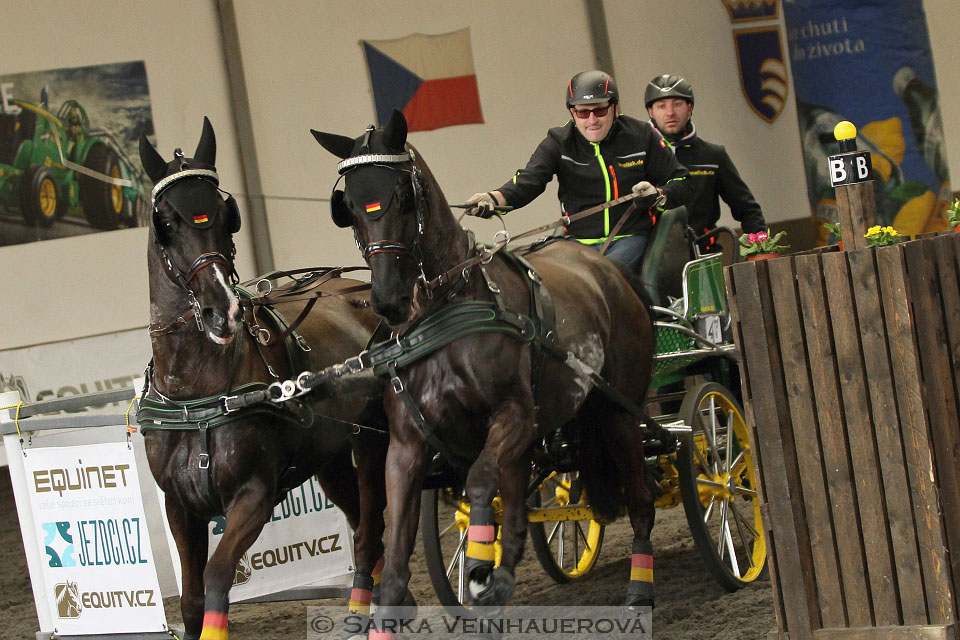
column 306, row 542
column 871, row 63
column 98, row 568
column 68, row 151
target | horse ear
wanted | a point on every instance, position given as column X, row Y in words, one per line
column 395, row 133
column 153, row 163
column 207, row 147
column 340, row 146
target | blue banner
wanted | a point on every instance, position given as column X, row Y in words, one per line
column 871, row 63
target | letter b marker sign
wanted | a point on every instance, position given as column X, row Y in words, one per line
column 850, row 168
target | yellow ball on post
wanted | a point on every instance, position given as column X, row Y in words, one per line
column 845, row 130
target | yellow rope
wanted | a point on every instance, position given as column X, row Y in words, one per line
column 16, row 418
column 130, row 427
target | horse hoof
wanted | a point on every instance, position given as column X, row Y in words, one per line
column 495, row 591
column 638, row 619
column 641, row 607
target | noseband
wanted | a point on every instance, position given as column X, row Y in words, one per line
column 178, row 277
column 389, row 161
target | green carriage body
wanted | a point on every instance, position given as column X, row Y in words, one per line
column 691, row 330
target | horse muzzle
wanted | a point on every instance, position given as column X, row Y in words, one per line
column 221, row 327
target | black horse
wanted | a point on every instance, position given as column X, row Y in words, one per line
column 542, row 331
column 210, row 461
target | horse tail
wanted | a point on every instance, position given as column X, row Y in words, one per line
column 597, row 461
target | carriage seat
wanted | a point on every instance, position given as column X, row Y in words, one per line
column 668, row 251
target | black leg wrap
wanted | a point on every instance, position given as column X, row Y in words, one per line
column 640, row 590
column 481, row 536
column 358, row 617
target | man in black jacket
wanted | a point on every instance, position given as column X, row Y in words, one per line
column 598, row 156
column 669, row 101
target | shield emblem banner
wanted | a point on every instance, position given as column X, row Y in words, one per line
column 763, row 73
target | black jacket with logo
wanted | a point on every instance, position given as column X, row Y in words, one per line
column 714, row 176
column 590, row 173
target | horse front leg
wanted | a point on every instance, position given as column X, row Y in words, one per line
column 405, row 468
column 503, row 466
column 370, row 455
column 250, row 510
column 190, row 534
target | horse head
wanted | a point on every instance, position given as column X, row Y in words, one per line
column 191, row 248
column 386, row 199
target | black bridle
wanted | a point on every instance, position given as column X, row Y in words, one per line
column 390, row 161
column 178, row 277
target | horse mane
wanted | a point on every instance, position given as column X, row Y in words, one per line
column 432, row 191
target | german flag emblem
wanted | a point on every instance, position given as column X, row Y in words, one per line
column 373, row 206
column 200, row 219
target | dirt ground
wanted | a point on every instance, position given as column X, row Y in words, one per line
column 690, row 605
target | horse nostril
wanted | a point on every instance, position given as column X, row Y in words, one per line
column 213, row 318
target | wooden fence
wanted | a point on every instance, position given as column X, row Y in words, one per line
column 850, row 378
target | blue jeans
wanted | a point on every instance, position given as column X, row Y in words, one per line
column 627, row 251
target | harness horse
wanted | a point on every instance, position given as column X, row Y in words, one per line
column 211, row 345
column 558, row 340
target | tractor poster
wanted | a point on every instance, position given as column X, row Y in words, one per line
column 68, row 151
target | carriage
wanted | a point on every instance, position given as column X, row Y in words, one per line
column 507, row 326
column 711, row 473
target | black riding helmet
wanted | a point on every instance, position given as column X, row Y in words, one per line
column 667, row 86
column 591, row 86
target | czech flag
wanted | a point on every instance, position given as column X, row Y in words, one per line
column 431, row 79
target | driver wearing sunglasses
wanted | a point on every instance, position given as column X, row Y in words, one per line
column 599, row 155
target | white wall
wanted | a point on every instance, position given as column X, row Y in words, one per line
column 305, row 69
column 523, row 51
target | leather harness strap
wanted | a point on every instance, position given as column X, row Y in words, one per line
column 617, row 227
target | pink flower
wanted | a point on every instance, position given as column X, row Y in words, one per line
column 761, row 236
column 752, row 237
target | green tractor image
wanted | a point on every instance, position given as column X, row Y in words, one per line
column 54, row 165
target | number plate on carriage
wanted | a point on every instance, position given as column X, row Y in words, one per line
column 711, row 328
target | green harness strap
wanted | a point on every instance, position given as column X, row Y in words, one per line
column 210, row 412
column 449, row 324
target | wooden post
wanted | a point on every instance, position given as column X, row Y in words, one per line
column 849, row 174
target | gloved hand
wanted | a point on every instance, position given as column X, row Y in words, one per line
column 483, row 205
column 644, row 190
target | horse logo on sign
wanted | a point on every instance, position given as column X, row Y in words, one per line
column 68, row 600
column 763, row 73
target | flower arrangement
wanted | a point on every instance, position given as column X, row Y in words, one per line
column 752, row 244
column 953, row 213
column 881, row 236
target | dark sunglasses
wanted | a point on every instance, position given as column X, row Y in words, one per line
column 599, row 112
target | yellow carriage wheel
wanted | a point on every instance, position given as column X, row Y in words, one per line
column 719, row 487
column 116, row 191
column 567, row 549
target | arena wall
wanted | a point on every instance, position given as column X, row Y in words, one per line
column 304, row 69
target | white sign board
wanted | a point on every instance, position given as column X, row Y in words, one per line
column 306, row 542
column 97, row 566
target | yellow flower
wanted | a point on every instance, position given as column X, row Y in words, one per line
column 872, row 231
column 891, row 231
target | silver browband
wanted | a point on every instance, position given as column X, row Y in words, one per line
column 373, row 158
column 188, row 173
